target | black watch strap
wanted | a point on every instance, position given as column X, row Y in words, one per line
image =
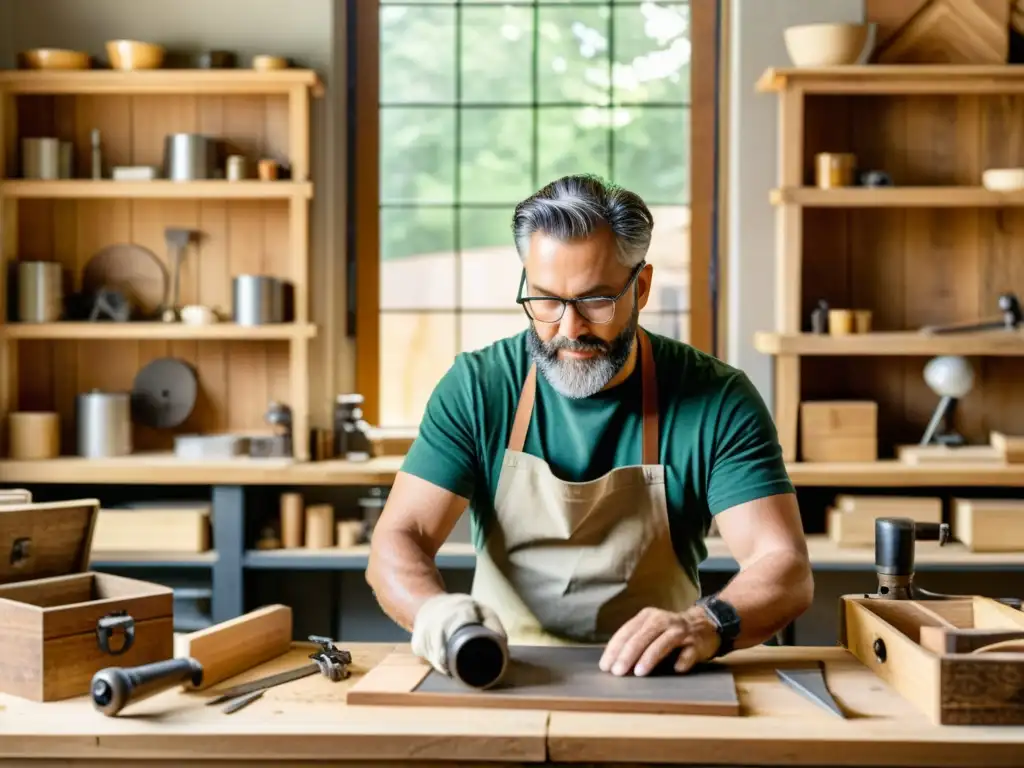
column 726, row 620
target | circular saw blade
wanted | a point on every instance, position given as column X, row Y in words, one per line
column 164, row 393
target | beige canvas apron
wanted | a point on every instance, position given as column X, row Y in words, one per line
column 569, row 562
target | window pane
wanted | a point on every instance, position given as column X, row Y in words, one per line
column 490, row 267
column 417, row 269
column 573, row 55
column 670, row 255
column 415, row 352
column 572, row 140
column 673, row 325
column 652, row 53
column 651, row 152
column 497, row 54
column 480, row 329
column 417, row 155
column 496, row 155
column 417, row 54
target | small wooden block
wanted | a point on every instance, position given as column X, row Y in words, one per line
column 839, row 430
column 938, row 454
column 1010, row 447
column 943, row 640
column 231, row 647
column 989, row 525
column 851, row 521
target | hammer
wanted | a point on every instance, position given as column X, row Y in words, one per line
column 1011, row 316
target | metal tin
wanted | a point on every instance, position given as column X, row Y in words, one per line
column 40, row 158
column 40, row 291
column 258, row 300
column 236, row 168
column 190, row 157
column 104, row 424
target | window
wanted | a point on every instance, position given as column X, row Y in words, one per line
column 461, row 109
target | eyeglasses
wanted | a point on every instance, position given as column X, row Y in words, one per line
column 596, row 309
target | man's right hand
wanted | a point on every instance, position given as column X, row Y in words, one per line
column 442, row 616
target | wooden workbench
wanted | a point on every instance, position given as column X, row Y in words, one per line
column 308, row 722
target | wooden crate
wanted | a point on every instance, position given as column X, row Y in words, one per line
column 976, row 688
column 839, row 431
column 60, row 624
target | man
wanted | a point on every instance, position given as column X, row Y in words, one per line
column 594, row 456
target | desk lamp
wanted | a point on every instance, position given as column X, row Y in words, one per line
column 950, row 377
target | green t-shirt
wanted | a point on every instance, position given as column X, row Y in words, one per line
column 718, row 441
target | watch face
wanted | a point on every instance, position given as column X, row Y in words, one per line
column 725, row 615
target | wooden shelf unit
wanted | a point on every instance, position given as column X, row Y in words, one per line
column 247, row 227
column 935, row 248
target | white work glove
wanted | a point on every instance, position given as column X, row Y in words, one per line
column 442, row 616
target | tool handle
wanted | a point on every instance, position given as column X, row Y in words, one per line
column 114, row 687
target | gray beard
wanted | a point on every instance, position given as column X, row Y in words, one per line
column 582, row 378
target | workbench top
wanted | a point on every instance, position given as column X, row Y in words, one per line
column 308, row 721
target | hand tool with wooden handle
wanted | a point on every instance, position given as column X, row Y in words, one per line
column 114, row 688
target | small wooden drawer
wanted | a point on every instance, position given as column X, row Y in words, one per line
column 915, row 647
column 989, row 525
column 839, row 430
column 60, row 624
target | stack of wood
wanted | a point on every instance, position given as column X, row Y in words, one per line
column 989, row 525
column 851, row 519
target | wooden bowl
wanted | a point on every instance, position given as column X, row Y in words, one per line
column 265, row 63
column 53, row 58
column 132, row 54
column 1003, row 179
column 829, row 45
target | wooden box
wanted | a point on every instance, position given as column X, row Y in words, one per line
column 839, row 430
column 167, row 528
column 851, row 519
column 61, row 623
column 989, row 525
column 941, row 655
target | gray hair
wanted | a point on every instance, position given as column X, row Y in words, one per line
column 574, row 206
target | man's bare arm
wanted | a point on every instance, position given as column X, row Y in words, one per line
column 775, row 584
column 417, row 519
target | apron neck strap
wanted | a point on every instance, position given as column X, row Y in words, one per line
column 649, row 399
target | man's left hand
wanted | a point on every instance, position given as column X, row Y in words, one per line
column 652, row 634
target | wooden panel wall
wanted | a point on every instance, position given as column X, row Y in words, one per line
column 237, row 379
column 917, row 266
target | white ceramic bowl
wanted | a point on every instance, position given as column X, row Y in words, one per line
column 829, row 45
column 1003, row 179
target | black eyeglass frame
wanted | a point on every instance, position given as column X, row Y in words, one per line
column 522, row 300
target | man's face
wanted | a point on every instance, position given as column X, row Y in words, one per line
column 577, row 354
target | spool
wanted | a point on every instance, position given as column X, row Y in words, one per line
column 319, row 526
column 292, row 528
column 40, row 158
column 258, row 300
column 840, row 322
column 477, row 656
column 40, row 291
column 267, row 170
column 834, row 169
column 34, row 435
column 104, row 424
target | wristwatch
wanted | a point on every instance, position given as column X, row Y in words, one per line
column 726, row 620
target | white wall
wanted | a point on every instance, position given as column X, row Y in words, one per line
column 756, row 43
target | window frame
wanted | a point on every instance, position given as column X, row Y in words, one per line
column 362, row 251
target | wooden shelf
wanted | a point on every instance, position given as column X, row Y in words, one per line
column 165, row 469
column 157, row 331
column 222, row 82
column 158, row 189
column 895, row 474
column 896, row 79
column 900, row 343
column 149, row 559
column 825, row 556
column 896, row 197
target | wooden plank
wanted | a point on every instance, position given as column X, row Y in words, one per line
column 237, row 645
column 965, row 196
column 553, row 678
column 158, row 189
column 154, row 331
column 894, row 343
column 159, row 81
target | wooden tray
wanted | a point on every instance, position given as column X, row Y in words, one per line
column 554, row 678
column 920, row 648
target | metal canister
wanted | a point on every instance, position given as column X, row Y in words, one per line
column 40, row 158
column 258, row 300
column 104, row 424
column 190, row 157
column 40, row 291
